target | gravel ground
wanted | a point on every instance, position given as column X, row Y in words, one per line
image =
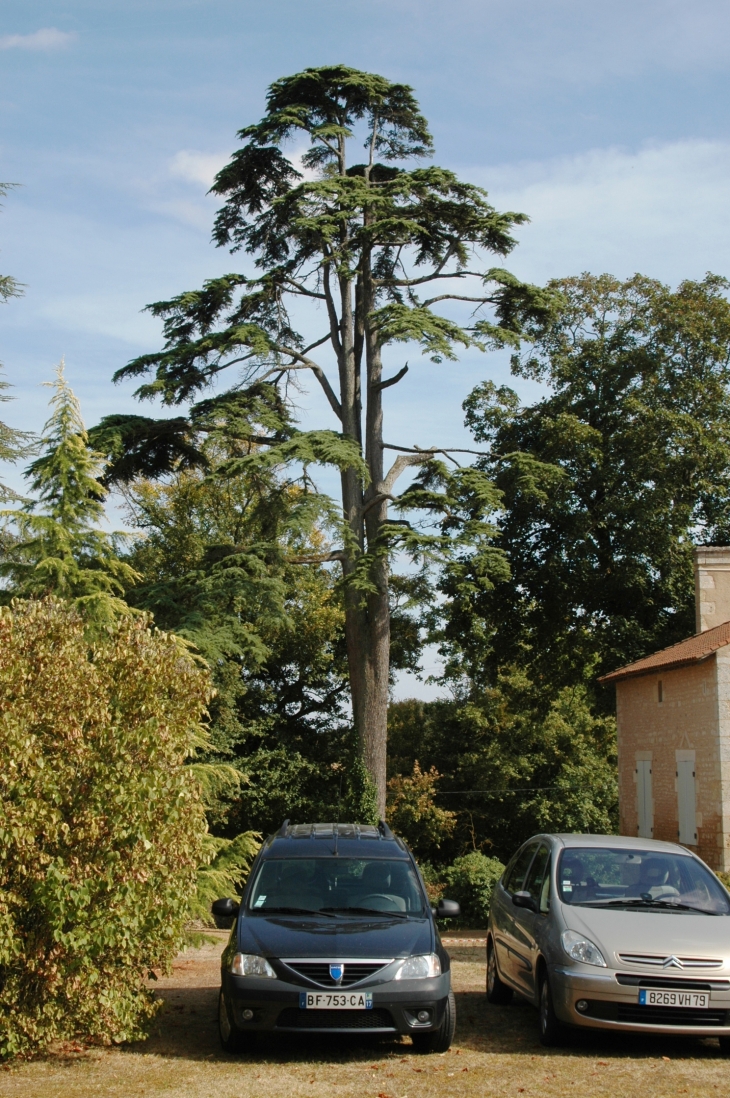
column 496, row 1052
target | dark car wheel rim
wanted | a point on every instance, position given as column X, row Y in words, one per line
column 544, row 1007
column 491, row 971
column 223, row 1020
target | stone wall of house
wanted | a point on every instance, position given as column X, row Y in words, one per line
column 684, row 720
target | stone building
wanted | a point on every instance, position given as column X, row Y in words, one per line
column 673, row 717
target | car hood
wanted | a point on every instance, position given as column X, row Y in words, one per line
column 669, row 933
column 288, row 936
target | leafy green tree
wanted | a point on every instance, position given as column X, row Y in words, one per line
column 214, row 567
column 102, row 827
column 413, row 813
column 608, row 481
column 58, row 546
column 362, row 246
column 513, row 759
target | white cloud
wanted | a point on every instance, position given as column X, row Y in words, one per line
column 197, row 167
column 48, row 38
column 661, row 210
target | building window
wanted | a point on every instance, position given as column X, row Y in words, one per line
column 660, row 691
column 645, row 799
column 687, row 797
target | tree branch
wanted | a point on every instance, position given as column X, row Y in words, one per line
column 456, row 297
column 302, row 289
column 399, row 466
column 318, row 372
column 380, row 497
column 332, row 313
column 427, row 451
column 379, row 385
column 318, row 558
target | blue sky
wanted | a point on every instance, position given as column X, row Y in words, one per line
column 606, row 123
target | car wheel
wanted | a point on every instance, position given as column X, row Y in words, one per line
column 439, row 1040
column 725, row 1046
column 552, row 1030
column 231, row 1037
column 497, row 992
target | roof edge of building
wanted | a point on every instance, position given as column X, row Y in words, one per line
column 668, row 665
column 692, row 650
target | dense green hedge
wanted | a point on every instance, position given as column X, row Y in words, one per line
column 101, row 824
column 470, row 881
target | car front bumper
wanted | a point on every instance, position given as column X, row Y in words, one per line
column 275, row 1006
column 615, row 1006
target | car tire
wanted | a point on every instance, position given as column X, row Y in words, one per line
column 439, row 1040
column 232, row 1039
column 552, row 1030
column 725, row 1046
column 498, row 993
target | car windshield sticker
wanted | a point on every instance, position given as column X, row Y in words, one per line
column 260, row 901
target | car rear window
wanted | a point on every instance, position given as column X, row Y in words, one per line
column 649, row 879
column 337, row 885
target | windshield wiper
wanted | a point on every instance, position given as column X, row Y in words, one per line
column 365, row 911
column 291, row 911
column 654, row 902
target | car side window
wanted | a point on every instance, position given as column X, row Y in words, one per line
column 545, row 891
column 515, row 881
column 536, row 875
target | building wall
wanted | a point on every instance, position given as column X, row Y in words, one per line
column 689, row 718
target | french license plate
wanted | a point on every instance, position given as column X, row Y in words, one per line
column 335, row 1000
column 696, row 999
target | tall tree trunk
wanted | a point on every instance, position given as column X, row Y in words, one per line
column 375, row 640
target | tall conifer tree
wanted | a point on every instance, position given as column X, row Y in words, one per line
column 59, row 546
column 359, row 244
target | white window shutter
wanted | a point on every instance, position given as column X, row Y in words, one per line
column 687, row 798
column 646, row 803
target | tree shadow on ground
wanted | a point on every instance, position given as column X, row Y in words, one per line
column 514, row 1029
column 187, row 1028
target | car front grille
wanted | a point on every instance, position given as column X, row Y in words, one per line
column 292, row 1018
column 662, row 960
column 683, row 983
column 637, row 1015
column 318, row 972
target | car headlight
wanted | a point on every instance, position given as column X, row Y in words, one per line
column 582, row 949
column 250, row 964
column 418, row 968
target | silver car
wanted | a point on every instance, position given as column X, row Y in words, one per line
column 614, row 933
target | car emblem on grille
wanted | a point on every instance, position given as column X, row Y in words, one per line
column 337, row 972
column 672, row 962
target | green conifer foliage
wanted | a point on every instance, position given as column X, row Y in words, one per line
column 59, row 548
column 13, row 443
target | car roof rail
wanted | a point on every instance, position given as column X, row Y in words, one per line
column 281, row 833
column 384, row 830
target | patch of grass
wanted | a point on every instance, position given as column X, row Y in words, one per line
column 496, row 1052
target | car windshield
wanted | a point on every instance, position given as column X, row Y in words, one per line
column 639, row 879
column 337, row 886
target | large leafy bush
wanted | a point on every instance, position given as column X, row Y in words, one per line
column 470, row 881
column 101, row 822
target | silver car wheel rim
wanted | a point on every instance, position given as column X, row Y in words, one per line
column 223, row 1020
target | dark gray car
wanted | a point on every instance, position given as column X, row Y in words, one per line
column 611, row 932
column 335, row 934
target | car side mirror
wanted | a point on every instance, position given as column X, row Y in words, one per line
column 524, row 899
column 447, row 909
column 224, row 912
